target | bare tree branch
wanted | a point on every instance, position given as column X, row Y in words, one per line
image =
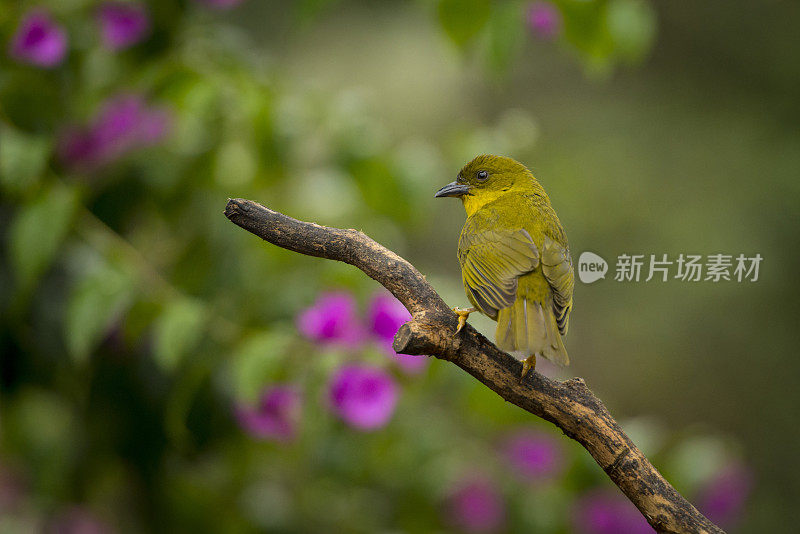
column 569, row 405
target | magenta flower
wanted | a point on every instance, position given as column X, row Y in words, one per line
column 125, row 123
column 535, row 455
column 476, row 506
column 384, row 317
column 123, row 24
column 78, row 148
column 362, row 396
column 723, row 498
column 220, row 4
column 544, row 20
column 608, row 512
column 39, row 40
column 275, row 417
column 76, row 520
column 332, row 320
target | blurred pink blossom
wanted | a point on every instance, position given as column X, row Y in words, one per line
column 385, row 316
column 123, row 24
column 535, row 455
column 276, row 415
column 39, row 40
column 475, row 505
column 608, row 512
column 544, row 20
column 77, row 520
column 363, row 396
column 125, row 123
column 333, row 320
column 722, row 499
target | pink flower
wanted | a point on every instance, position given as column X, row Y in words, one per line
column 123, row 24
column 608, row 512
column 332, row 320
column 125, row 123
column 535, row 455
column 77, row 520
column 362, row 396
column 544, row 20
column 220, row 4
column 476, row 506
column 39, row 40
column 385, row 316
column 723, row 498
column 275, row 417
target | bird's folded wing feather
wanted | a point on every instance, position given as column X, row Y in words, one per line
column 491, row 262
column 557, row 269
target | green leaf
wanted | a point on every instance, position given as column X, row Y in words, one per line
column 506, row 35
column 632, row 26
column 308, row 11
column 461, row 20
column 37, row 232
column 586, row 31
column 177, row 330
column 22, row 159
column 380, row 188
column 140, row 317
column 41, row 426
column 39, row 423
column 96, row 303
column 257, row 360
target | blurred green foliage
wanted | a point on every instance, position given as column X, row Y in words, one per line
column 135, row 317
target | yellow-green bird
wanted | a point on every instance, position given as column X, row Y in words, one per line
column 515, row 261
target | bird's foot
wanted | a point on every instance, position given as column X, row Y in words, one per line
column 527, row 364
column 462, row 317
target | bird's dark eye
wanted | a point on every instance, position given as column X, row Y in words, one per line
column 482, row 175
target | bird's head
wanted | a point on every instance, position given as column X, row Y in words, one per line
column 488, row 177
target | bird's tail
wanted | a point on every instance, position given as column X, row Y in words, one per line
column 530, row 328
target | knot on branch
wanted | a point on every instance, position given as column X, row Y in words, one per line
column 421, row 338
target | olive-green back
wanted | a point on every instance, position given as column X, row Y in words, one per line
column 516, row 269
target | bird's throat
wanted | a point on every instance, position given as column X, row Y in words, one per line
column 473, row 203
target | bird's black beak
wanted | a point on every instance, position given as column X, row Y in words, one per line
column 453, row 189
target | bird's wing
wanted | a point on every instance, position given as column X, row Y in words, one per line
column 491, row 262
column 557, row 269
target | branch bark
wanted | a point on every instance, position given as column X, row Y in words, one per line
column 569, row 405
